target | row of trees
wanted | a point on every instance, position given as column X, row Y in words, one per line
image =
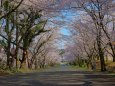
column 94, row 31
column 24, row 36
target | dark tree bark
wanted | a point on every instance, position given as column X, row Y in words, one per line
column 100, row 51
column 24, row 58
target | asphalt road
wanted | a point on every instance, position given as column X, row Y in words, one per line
column 62, row 76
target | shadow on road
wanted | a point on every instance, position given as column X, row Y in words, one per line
column 59, row 78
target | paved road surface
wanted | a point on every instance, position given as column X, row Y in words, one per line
column 62, row 76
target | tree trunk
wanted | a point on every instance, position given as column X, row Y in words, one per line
column 9, row 36
column 114, row 55
column 113, row 51
column 109, row 39
column 24, row 58
column 33, row 59
column 17, row 36
column 100, row 51
column 36, row 64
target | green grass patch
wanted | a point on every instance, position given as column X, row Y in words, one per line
column 83, row 68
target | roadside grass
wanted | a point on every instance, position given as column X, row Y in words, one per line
column 83, row 68
column 96, row 71
column 33, row 70
column 2, row 72
column 111, row 67
column 46, row 68
column 14, row 71
column 7, row 71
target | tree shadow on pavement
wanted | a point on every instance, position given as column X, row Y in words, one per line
column 64, row 78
